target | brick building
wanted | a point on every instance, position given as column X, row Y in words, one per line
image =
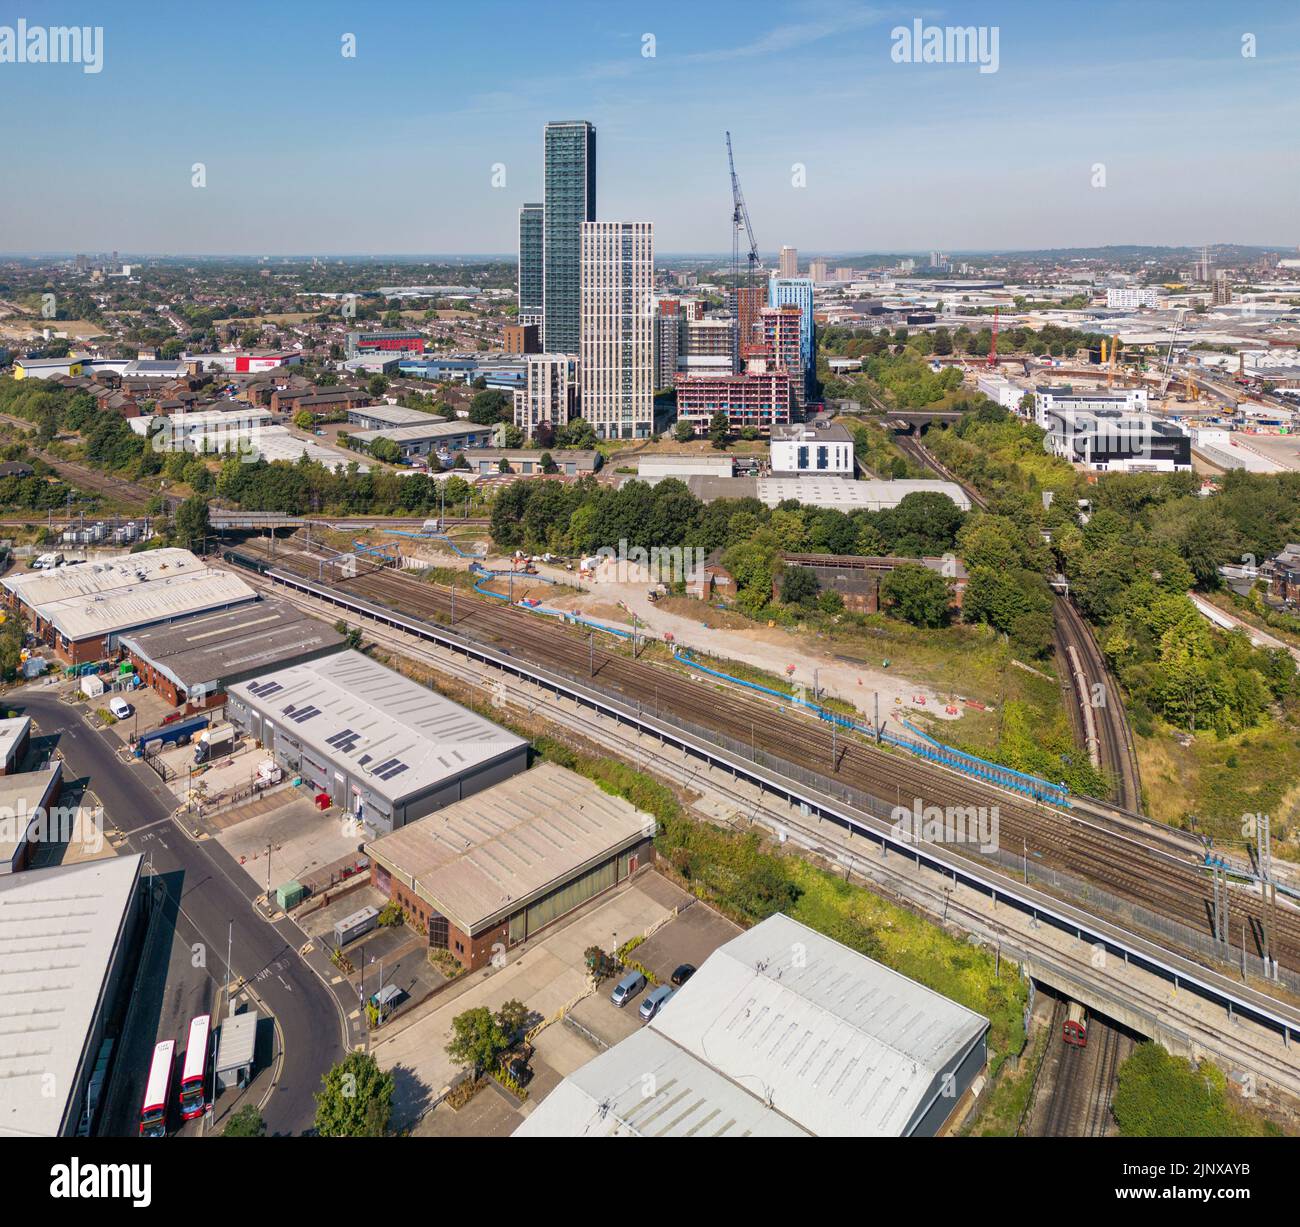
column 493, row 870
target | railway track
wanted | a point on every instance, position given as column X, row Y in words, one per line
column 1106, row 716
column 1154, row 869
column 1106, row 721
column 1084, row 1080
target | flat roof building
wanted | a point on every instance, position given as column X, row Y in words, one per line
column 69, row 949
column 196, row 659
column 444, row 439
column 375, row 417
column 782, row 1030
column 81, row 611
column 25, row 798
column 494, row 869
column 15, row 736
column 382, row 746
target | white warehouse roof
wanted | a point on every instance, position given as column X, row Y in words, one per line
column 106, row 598
column 59, row 930
column 607, row 1098
column 401, row 738
column 780, row 1024
column 845, row 494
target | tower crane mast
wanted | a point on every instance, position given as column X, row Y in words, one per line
column 740, row 221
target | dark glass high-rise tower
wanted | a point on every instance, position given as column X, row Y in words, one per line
column 531, row 264
column 570, row 177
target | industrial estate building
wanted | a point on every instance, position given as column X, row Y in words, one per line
column 70, row 940
column 380, row 745
column 781, row 1032
column 25, row 798
column 82, row 611
column 194, row 660
column 15, row 737
column 492, row 870
column 443, row 439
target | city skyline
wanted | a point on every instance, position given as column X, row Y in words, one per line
column 432, row 151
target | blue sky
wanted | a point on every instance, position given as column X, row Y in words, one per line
column 393, row 150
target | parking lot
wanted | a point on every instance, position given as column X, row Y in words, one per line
column 546, row 976
column 397, row 955
column 295, row 837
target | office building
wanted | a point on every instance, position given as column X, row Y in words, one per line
column 818, row 447
column 789, row 262
column 797, row 292
column 570, row 178
column 531, row 263
column 1112, row 440
column 1222, row 288
column 1055, row 402
column 1130, row 297
column 818, row 271
column 550, row 395
column 616, row 369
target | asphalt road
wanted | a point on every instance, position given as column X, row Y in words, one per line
column 210, row 891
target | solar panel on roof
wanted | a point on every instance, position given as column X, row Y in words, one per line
column 339, row 738
column 305, row 713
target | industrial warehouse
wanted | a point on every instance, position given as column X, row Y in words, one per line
column 490, row 871
column 378, row 744
column 781, row 1032
column 82, row 611
column 196, row 659
column 70, row 940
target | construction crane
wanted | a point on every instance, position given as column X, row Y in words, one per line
column 1169, row 356
column 993, row 344
column 740, row 221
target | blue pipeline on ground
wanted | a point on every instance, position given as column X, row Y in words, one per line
column 927, row 748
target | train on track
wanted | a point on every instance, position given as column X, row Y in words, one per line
column 1074, row 1030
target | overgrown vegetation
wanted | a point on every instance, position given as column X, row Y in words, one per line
column 1163, row 1096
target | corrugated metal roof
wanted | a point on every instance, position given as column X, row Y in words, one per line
column 404, row 738
column 58, row 932
column 837, row 1041
column 782, row 1030
column 646, row 1086
column 499, row 849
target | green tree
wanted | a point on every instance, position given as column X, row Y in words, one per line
column 304, row 420
column 799, row 586
column 684, row 431
column 355, row 1099
column 719, row 430
column 477, row 1040
column 916, row 594
column 192, row 523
